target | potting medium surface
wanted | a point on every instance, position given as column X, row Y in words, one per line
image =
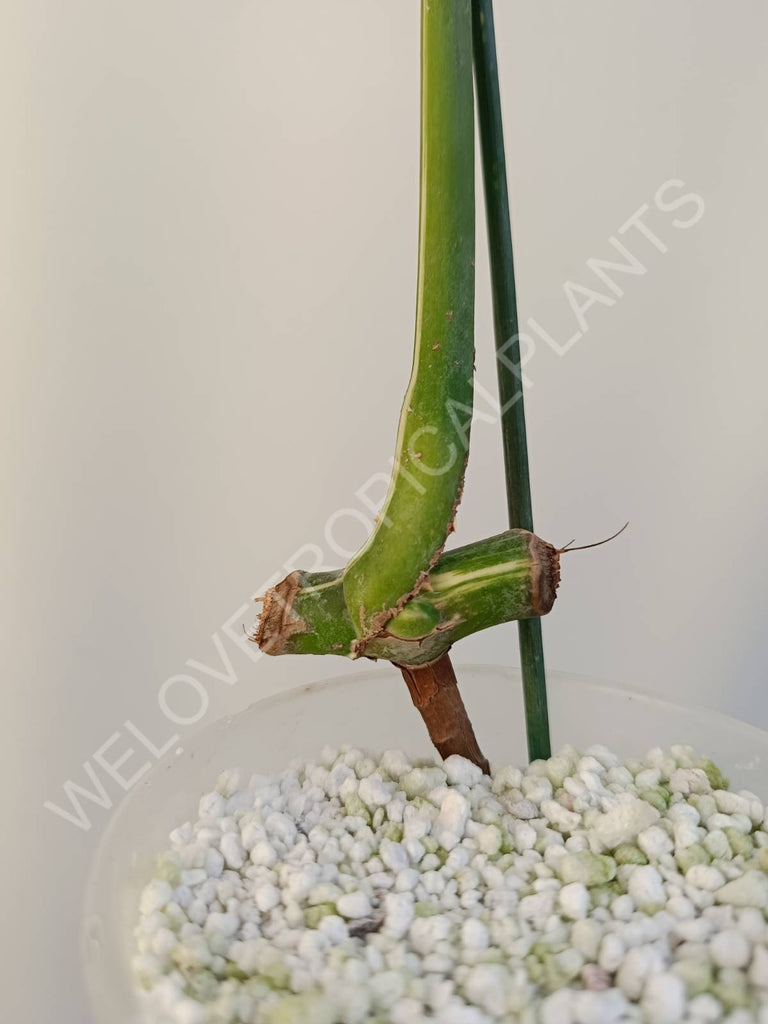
column 368, row 887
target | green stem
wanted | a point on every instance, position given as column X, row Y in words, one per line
column 495, row 580
column 508, row 353
column 433, row 434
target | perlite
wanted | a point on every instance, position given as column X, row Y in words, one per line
column 586, row 867
column 750, row 890
column 622, row 823
column 440, row 905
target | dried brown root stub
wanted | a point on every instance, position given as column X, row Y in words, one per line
column 435, row 693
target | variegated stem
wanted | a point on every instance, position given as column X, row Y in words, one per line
column 511, row 576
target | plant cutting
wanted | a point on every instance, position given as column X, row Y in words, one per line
column 363, row 887
column 400, row 598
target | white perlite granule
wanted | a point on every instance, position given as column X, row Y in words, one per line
column 578, row 890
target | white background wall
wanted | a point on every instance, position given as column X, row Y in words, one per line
column 208, row 214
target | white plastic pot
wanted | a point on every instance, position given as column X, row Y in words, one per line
column 370, row 710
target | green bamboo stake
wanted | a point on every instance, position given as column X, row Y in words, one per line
column 506, row 333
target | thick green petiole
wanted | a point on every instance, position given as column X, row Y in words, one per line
column 434, row 423
column 511, row 576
